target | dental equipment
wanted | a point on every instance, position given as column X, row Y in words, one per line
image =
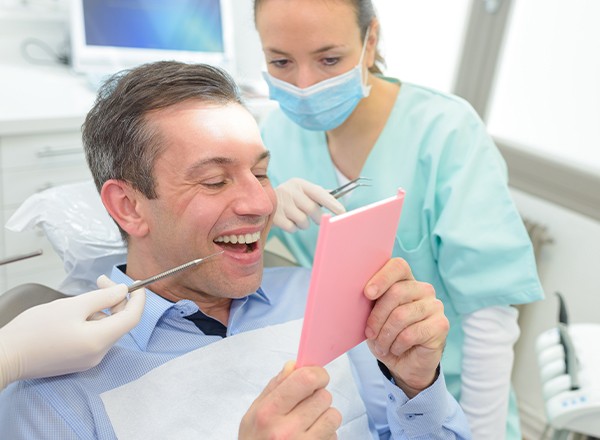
column 350, row 186
column 569, row 362
column 142, row 283
column 567, row 343
column 20, row 257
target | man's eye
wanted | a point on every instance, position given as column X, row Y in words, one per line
column 261, row 177
column 214, row 184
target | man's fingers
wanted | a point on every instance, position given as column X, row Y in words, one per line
column 326, row 425
column 288, row 368
column 297, row 386
column 429, row 333
column 395, row 270
column 398, row 320
column 400, row 300
column 308, row 412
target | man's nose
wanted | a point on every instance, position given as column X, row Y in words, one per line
column 255, row 198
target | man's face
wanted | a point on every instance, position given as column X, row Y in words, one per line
column 213, row 194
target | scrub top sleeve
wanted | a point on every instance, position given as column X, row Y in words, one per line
column 484, row 254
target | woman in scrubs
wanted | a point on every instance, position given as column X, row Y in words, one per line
column 340, row 118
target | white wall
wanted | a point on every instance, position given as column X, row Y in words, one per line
column 570, row 265
column 249, row 56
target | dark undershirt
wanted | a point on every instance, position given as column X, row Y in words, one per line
column 209, row 326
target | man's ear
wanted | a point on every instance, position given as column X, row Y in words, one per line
column 123, row 204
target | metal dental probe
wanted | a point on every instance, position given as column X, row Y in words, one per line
column 142, row 283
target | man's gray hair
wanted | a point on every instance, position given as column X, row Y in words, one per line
column 119, row 142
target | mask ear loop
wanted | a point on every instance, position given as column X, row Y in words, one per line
column 364, row 48
column 364, row 75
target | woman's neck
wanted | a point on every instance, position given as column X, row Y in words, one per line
column 351, row 143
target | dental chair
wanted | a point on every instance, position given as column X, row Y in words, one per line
column 20, row 298
column 569, row 361
column 85, row 238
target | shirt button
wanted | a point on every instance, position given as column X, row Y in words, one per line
column 409, row 416
column 391, row 397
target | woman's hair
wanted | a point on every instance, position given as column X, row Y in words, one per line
column 365, row 13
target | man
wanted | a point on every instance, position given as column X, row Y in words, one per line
column 182, row 170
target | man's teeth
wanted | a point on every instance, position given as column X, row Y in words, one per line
column 241, row 239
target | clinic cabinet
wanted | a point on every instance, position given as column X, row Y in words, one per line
column 41, row 112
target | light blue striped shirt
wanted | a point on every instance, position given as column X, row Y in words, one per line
column 69, row 406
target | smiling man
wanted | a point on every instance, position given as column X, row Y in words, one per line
column 182, row 170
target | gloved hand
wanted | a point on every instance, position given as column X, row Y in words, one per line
column 298, row 200
column 67, row 335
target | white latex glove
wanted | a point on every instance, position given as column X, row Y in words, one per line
column 67, row 335
column 299, row 200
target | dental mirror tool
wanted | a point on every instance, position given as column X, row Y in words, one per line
column 142, row 283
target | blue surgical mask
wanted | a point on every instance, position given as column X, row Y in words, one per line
column 325, row 105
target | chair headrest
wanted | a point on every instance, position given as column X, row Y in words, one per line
column 79, row 229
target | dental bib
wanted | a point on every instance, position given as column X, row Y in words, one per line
column 205, row 393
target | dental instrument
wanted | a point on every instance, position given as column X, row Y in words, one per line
column 350, row 186
column 142, row 283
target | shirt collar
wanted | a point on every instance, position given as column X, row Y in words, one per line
column 156, row 306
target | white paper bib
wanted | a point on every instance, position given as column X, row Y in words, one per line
column 205, row 393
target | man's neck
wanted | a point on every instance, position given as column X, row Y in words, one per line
column 217, row 308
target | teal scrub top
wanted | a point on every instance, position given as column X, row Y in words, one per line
column 459, row 229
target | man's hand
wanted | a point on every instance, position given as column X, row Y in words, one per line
column 407, row 328
column 295, row 404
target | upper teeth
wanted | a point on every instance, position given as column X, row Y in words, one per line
column 242, row 239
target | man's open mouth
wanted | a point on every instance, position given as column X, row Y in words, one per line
column 239, row 243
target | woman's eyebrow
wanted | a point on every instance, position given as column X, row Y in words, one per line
column 275, row 51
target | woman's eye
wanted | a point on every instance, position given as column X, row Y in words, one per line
column 330, row 61
column 279, row 63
